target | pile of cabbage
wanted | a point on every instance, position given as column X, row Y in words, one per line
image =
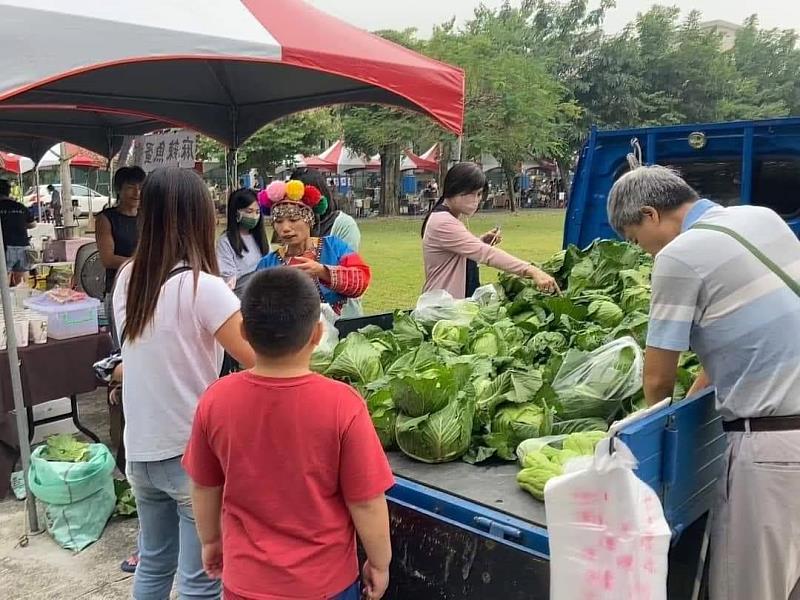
column 473, row 379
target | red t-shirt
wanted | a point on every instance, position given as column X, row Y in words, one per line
column 290, row 453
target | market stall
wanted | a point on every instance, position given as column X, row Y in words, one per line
column 215, row 71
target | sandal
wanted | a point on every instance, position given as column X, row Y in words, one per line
column 129, row 564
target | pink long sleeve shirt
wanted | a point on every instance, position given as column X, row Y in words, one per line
column 446, row 246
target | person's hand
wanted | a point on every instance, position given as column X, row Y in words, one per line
column 492, row 237
column 311, row 267
column 212, row 559
column 543, row 281
column 373, row 582
column 115, row 395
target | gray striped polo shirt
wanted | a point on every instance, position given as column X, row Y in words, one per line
column 712, row 295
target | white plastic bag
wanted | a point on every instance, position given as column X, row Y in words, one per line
column 439, row 305
column 609, row 539
column 595, row 384
column 330, row 336
column 486, row 294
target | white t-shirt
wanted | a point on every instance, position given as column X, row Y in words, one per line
column 171, row 365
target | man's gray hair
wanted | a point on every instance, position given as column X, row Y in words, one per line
column 655, row 186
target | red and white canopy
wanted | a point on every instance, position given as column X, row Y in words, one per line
column 336, row 159
column 14, row 163
column 412, row 162
column 224, row 68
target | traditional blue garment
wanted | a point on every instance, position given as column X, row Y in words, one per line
column 333, row 252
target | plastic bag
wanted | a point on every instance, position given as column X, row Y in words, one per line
column 594, row 384
column 609, row 539
column 79, row 498
column 330, row 335
column 486, row 294
column 439, row 305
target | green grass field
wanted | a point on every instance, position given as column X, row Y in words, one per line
column 393, row 248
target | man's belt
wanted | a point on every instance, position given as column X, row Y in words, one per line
column 788, row 423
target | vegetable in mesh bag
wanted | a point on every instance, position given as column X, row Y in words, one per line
column 594, row 384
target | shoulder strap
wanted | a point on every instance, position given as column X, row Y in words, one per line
column 170, row 275
column 767, row 262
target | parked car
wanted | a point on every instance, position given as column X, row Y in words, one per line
column 88, row 199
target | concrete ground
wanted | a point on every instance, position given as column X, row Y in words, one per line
column 44, row 571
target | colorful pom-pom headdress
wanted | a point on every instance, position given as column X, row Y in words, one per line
column 296, row 192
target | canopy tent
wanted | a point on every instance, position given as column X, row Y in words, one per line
column 433, row 154
column 34, row 148
column 412, row 162
column 14, row 163
column 99, row 130
column 225, row 70
column 338, row 158
column 374, row 163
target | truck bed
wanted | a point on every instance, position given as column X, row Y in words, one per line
column 494, row 486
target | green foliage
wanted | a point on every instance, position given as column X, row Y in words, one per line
column 63, row 447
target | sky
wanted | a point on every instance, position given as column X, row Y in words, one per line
column 423, row 14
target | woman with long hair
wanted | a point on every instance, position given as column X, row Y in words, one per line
column 244, row 242
column 452, row 253
column 175, row 316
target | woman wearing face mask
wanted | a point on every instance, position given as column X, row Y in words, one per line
column 339, row 272
column 244, row 242
column 452, row 254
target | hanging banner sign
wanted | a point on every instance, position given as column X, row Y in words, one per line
column 173, row 149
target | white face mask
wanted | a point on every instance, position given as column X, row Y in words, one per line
column 466, row 204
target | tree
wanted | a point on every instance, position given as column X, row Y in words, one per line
column 270, row 146
column 514, row 108
column 387, row 131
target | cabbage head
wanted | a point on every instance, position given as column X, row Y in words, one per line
column 418, row 393
column 515, row 423
column 356, row 361
column 438, row 437
column 450, row 335
column 384, row 415
column 488, row 342
column 605, row 313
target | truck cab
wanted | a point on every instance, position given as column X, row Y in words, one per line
column 741, row 162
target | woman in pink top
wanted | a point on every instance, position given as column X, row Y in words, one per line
column 452, row 253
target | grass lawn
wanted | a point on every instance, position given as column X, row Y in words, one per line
column 393, row 248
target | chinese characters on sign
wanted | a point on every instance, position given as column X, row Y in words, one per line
column 174, row 149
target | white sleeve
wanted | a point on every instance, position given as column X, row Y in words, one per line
column 215, row 302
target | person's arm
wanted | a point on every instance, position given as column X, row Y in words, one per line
column 230, row 337
column 205, row 470
column 105, row 244
column 701, row 382
column 351, row 277
column 226, row 260
column 207, row 508
column 675, row 293
column 660, row 371
column 371, row 520
column 451, row 235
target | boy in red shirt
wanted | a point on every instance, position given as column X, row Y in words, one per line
column 286, row 464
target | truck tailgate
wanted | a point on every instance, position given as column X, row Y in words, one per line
column 494, row 487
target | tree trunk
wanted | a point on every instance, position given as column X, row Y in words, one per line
column 444, row 161
column 390, row 179
column 509, row 173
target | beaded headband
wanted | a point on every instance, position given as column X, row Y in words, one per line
column 293, row 211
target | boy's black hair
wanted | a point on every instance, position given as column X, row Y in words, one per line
column 5, row 187
column 280, row 308
column 126, row 175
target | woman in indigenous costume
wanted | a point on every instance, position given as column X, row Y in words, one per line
column 339, row 272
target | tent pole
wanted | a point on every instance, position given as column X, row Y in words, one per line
column 16, row 390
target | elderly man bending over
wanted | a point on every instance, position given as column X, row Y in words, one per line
column 725, row 285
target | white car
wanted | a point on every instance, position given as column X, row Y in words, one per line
column 88, row 199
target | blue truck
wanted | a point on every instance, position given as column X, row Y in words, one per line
column 469, row 532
